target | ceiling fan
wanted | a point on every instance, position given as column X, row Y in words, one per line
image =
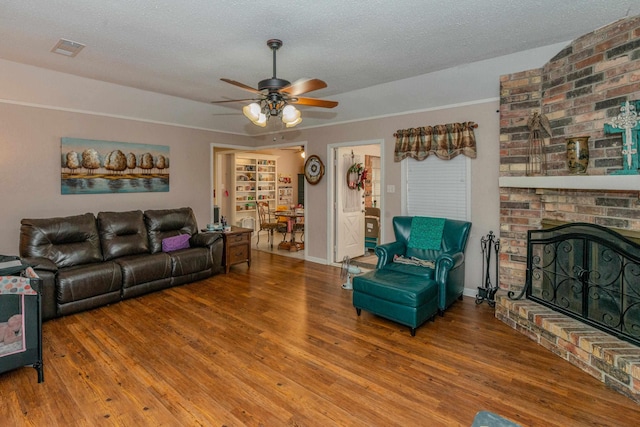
column 274, row 96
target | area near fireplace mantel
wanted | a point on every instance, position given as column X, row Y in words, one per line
column 580, row 91
column 573, row 182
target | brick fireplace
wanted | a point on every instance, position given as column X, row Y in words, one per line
column 579, row 90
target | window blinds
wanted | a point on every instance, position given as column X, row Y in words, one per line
column 438, row 188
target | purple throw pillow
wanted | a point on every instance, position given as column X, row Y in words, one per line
column 181, row 241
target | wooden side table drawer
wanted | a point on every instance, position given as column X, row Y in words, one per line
column 237, row 247
column 238, row 254
column 239, row 238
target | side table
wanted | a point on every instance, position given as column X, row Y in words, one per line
column 237, row 247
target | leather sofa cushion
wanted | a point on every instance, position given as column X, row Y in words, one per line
column 66, row 241
column 188, row 261
column 122, row 234
column 138, row 269
column 86, row 281
column 168, row 223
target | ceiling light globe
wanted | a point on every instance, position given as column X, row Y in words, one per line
column 252, row 111
column 262, row 120
column 294, row 123
column 290, row 114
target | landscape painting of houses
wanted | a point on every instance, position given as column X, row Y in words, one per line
column 91, row 167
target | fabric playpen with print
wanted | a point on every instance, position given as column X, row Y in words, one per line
column 20, row 320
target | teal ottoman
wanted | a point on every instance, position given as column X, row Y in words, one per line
column 408, row 300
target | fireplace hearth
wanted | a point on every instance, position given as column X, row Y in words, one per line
column 588, row 272
column 581, row 300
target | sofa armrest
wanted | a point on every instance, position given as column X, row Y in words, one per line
column 41, row 263
column 204, row 240
column 387, row 251
column 213, row 241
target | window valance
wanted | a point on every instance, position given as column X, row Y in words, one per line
column 444, row 141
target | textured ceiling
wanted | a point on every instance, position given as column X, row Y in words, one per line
column 183, row 48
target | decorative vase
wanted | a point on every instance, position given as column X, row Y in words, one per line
column 577, row 154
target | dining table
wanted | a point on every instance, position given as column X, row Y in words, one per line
column 291, row 216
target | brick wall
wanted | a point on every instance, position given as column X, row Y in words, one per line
column 579, row 90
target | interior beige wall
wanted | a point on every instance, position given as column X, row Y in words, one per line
column 30, row 139
column 484, row 174
column 30, row 166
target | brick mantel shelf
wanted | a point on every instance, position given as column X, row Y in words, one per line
column 576, row 182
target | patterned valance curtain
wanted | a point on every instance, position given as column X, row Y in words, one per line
column 444, row 141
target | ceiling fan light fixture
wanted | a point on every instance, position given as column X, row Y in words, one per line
column 262, row 120
column 294, row 123
column 252, row 111
column 275, row 95
column 291, row 116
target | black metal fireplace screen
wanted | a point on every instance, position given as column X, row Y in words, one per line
column 587, row 272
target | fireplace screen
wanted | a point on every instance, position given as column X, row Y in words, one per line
column 587, row 272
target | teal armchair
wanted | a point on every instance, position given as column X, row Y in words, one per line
column 448, row 260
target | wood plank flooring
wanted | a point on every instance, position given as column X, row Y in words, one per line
column 280, row 344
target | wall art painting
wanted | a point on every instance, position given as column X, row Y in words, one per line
column 94, row 167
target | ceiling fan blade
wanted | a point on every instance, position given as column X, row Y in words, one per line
column 241, row 85
column 314, row 102
column 303, row 86
column 234, row 100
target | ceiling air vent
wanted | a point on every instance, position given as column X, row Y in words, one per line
column 67, row 48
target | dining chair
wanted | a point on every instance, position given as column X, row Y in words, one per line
column 283, row 220
column 268, row 224
column 298, row 226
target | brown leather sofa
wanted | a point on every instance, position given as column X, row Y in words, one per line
column 86, row 261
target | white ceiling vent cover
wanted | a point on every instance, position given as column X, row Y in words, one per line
column 67, row 47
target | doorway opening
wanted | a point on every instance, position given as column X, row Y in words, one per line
column 244, row 179
column 357, row 201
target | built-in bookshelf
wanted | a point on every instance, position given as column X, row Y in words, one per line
column 285, row 191
column 254, row 180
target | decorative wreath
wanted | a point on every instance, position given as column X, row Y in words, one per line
column 356, row 176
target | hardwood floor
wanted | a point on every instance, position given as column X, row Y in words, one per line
column 280, row 345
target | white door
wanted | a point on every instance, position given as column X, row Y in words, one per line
column 349, row 207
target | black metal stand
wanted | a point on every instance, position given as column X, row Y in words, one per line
column 488, row 291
